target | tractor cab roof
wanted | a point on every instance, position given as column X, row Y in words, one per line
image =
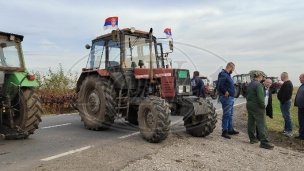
column 126, row 31
column 8, row 35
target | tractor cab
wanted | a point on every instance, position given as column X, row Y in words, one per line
column 240, row 83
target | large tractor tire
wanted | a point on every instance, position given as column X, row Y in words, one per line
column 29, row 111
column 154, row 119
column 96, row 103
column 132, row 116
column 201, row 125
column 237, row 91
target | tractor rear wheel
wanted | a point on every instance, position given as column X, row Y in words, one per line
column 154, row 119
column 201, row 125
column 29, row 111
column 96, row 103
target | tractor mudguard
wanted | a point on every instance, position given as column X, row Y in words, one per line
column 20, row 79
column 192, row 105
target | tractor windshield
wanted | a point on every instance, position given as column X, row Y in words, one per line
column 97, row 56
column 9, row 54
column 275, row 80
column 137, row 48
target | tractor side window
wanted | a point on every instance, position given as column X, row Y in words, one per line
column 9, row 54
column 235, row 79
column 97, row 56
column 114, row 53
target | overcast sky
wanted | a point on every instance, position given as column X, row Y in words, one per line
column 207, row 34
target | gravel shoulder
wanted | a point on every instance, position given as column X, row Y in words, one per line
column 180, row 151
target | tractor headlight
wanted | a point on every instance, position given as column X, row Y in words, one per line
column 180, row 89
column 188, row 89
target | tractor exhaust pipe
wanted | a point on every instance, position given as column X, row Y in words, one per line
column 150, row 48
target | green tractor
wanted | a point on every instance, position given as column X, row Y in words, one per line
column 20, row 112
column 128, row 76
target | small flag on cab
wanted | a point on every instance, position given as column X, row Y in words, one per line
column 111, row 23
column 168, row 32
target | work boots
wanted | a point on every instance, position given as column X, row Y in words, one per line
column 226, row 135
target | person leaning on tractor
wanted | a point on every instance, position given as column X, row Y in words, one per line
column 198, row 87
column 268, row 102
column 226, row 92
column 299, row 102
column 284, row 96
column 256, row 110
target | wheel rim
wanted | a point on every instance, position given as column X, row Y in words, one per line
column 149, row 119
column 94, row 102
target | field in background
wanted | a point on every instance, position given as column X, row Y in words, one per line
column 57, row 90
column 276, row 124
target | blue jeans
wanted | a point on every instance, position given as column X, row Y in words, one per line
column 301, row 121
column 227, row 105
column 285, row 108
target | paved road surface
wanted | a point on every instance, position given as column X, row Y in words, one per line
column 61, row 135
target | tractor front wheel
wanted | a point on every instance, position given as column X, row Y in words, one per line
column 154, row 119
column 201, row 125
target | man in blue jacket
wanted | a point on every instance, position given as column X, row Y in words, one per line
column 226, row 91
column 198, row 87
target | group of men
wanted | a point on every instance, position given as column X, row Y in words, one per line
column 259, row 102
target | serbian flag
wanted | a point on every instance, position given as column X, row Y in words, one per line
column 167, row 31
column 111, row 23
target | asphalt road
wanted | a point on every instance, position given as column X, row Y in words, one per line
column 63, row 135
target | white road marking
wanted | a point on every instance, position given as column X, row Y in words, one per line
column 129, row 135
column 66, row 153
column 55, row 126
column 233, row 105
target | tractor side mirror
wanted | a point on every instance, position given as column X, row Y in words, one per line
column 171, row 45
column 87, row 46
column 115, row 36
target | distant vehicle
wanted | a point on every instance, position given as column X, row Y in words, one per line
column 209, row 89
column 276, row 83
column 240, row 83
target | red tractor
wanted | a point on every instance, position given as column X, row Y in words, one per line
column 276, row 84
column 209, row 89
column 126, row 77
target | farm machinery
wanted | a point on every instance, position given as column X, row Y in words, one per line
column 20, row 105
column 240, row 83
column 209, row 89
column 126, row 76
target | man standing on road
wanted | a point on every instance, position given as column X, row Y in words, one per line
column 299, row 102
column 268, row 102
column 284, row 96
column 226, row 92
column 256, row 110
column 197, row 85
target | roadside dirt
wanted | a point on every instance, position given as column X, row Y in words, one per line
column 181, row 151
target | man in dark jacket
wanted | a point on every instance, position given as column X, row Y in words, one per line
column 198, row 87
column 284, row 96
column 226, row 92
column 256, row 110
column 299, row 102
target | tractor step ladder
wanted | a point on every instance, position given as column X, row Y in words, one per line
column 123, row 102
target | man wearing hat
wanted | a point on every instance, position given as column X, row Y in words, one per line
column 256, row 110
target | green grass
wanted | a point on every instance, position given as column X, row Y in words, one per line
column 277, row 123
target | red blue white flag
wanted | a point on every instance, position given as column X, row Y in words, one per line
column 111, row 23
column 168, row 32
